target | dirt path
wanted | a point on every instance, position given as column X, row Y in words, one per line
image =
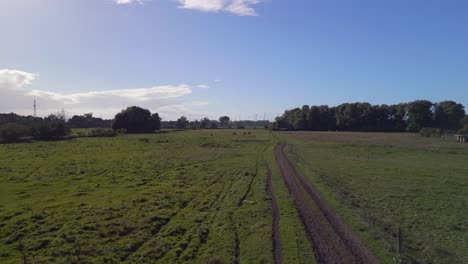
column 276, row 228
column 332, row 240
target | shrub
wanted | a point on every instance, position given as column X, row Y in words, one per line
column 121, row 131
column 11, row 132
column 430, row 132
column 51, row 130
column 103, row 132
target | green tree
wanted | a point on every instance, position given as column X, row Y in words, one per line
column 419, row 115
column 182, row 122
column 464, row 121
column 314, row 118
column 224, row 120
column 397, row 117
column 447, row 115
column 135, row 119
column 300, row 118
column 155, row 122
column 205, row 122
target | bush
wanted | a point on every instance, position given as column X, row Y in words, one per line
column 121, row 131
column 12, row 132
column 463, row 130
column 430, row 132
column 51, row 130
column 103, row 132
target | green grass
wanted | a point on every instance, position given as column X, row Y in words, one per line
column 200, row 196
column 159, row 198
column 381, row 182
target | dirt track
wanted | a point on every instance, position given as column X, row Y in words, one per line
column 332, row 240
column 276, row 229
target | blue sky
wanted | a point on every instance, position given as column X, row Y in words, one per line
column 244, row 58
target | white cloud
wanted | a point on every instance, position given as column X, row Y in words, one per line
column 236, row 7
column 203, row 86
column 136, row 95
column 203, row 5
column 16, row 96
column 124, row 2
column 15, row 78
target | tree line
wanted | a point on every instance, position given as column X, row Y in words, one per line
column 14, row 127
column 403, row 117
column 133, row 119
column 206, row 123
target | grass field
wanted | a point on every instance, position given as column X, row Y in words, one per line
column 165, row 198
column 380, row 183
column 200, row 197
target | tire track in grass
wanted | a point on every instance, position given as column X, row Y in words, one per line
column 277, row 251
column 333, row 241
column 254, row 176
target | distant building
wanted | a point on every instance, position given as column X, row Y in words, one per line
column 462, row 138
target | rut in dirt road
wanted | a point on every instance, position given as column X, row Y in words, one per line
column 278, row 257
column 332, row 240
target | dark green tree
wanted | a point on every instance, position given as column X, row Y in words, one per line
column 447, row 115
column 398, row 117
column 135, row 119
column 419, row 115
column 205, row 122
column 224, row 121
column 155, row 122
column 464, row 121
column 182, row 122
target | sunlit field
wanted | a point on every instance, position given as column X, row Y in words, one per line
column 193, row 197
column 382, row 183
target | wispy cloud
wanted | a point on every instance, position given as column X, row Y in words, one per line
column 242, row 7
column 123, row 2
column 202, row 5
column 17, row 96
column 136, row 95
column 203, row 86
column 236, row 7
